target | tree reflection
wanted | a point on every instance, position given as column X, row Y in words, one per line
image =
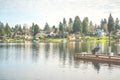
column 47, row 50
column 84, row 47
column 62, row 52
column 77, row 47
column 35, row 52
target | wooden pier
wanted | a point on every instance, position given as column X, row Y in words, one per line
column 103, row 58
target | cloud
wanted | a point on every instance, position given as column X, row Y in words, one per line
column 53, row 11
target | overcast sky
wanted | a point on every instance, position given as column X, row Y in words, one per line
column 53, row 11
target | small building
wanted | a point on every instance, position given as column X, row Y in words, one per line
column 18, row 34
column 28, row 37
column 117, row 35
column 100, row 32
column 71, row 37
column 50, row 34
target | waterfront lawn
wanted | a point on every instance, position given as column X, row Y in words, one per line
column 53, row 39
column 101, row 38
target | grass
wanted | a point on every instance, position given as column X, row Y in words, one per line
column 91, row 38
column 100, row 39
column 52, row 39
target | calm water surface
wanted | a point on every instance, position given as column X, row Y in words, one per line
column 53, row 61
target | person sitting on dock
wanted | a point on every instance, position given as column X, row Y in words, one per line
column 96, row 49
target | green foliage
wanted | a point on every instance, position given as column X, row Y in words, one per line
column 104, row 25
column 55, row 29
column 7, row 30
column 117, row 26
column 77, row 26
column 64, row 24
column 70, row 25
column 85, row 25
column 61, row 27
column 91, row 27
column 2, row 29
column 19, row 28
column 111, row 26
column 35, row 29
column 47, row 28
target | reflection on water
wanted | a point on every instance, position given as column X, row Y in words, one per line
column 38, row 60
column 17, row 51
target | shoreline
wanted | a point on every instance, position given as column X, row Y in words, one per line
column 58, row 40
column 52, row 40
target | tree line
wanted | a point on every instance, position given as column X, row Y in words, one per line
column 6, row 30
column 83, row 27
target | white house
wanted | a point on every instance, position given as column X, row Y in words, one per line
column 100, row 32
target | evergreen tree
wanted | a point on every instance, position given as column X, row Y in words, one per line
column 7, row 30
column 16, row 28
column 91, row 27
column 2, row 30
column 47, row 28
column 24, row 29
column 54, row 29
column 35, row 29
column 61, row 29
column 117, row 26
column 111, row 26
column 77, row 25
column 104, row 25
column 20, row 28
column 70, row 25
column 85, row 25
column 64, row 24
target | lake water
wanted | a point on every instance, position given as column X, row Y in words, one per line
column 54, row 61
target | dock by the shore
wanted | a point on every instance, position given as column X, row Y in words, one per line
column 104, row 58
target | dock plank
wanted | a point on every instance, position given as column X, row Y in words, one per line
column 105, row 58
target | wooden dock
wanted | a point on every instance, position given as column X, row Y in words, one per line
column 103, row 58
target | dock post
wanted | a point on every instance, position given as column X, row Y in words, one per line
column 109, row 50
column 97, row 56
column 109, row 57
column 109, row 45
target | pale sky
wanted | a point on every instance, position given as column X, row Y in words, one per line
column 53, row 11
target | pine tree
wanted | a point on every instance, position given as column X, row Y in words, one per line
column 77, row 25
column 2, row 30
column 64, row 24
column 7, row 30
column 47, row 28
column 117, row 24
column 35, row 29
column 70, row 25
column 111, row 26
column 104, row 25
column 91, row 27
column 61, row 29
column 85, row 25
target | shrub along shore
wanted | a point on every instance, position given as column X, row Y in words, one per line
column 86, row 38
